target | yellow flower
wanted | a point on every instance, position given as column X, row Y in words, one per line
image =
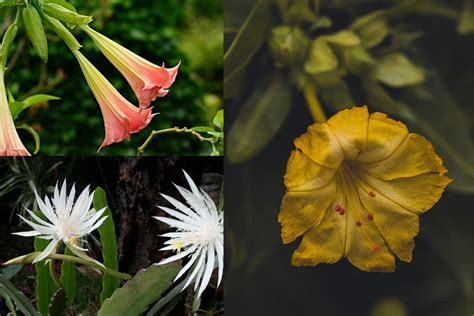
column 355, row 187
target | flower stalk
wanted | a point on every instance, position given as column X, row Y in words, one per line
column 29, row 258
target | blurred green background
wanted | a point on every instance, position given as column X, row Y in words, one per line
column 189, row 31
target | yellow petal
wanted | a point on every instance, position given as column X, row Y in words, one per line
column 416, row 194
column 414, row 156
column 301, row 210
column 320, row 144
column 304, row 174
column 350, row 129
column 321, row 244
column 397, row 225
column 384, row 135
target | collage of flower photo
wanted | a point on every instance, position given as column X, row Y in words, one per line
column 346, row 162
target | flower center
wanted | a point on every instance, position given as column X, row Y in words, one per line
column 349, row 184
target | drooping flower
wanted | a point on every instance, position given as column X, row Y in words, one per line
column 121, row 118
column 147, row 80
column 199, row 235
column 65, row 221
column 10, row 143
column 355, row 188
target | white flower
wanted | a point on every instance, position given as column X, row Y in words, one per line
column 199, row 235
column 67, row 221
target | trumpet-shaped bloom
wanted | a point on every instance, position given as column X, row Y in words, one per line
column 355, row 188
column 10, row 143
column 147, row 80
column 121, row 118
column 64, row 221
column 199, row 235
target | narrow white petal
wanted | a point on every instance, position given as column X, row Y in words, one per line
column 48, row 212
column 180, row 206
column 209, row 268
column 176, row 223
column 70, row 200
column 97, row 225
column 201, row 270
column 47, row 251
column 179, row 215
column 189, row 264
column 220, row 260
column 199, row 266
column 191, row 184
column 37, row 227
column 39, row 220
column 178, row 256
column 28, row 233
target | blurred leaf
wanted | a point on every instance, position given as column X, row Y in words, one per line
column 259, row 118
column 466, row 18
column 381, row 100
column 344, row 38
column 247, row 42
column 373, row 33
column 321, row 58
column 136, row 295
column 57, row 307
column 300, row 12
column 108, row 240
column 396, row 70
column 334, row 91
column 10, row 271
column 22, row 302
column 219, row 119
column 35, row 135
column 357, row 59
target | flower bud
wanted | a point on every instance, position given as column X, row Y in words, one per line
column 65, row 15
column 34, row 29
column 288, row 45
column 8, row 38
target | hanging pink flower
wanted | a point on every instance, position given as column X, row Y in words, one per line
column 121, row 118
column 147, row 80
column 10, row 143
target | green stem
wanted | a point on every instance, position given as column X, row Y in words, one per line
column 27, row 259
column 178, row 130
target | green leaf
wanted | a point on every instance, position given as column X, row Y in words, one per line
column 396, row 70
column 249, row 39
column 259, row 118
column 10, row 305
column 374, row 33
column 7, row 289
column 357, row 59
column 136, row 295
column 321, row 58
column 57, row 307
column 17, row 107
column 45, row 286
column 108, row 240
column 34, row 134
column 219, row 119
column 334, row 91
column 343, row 38
column 68, row 278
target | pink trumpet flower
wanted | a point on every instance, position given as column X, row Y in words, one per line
column 10, row 143
column 147, row 80
column 121, row 118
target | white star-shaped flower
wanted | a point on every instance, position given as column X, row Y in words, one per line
column 199, row 235
column 66, row 221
